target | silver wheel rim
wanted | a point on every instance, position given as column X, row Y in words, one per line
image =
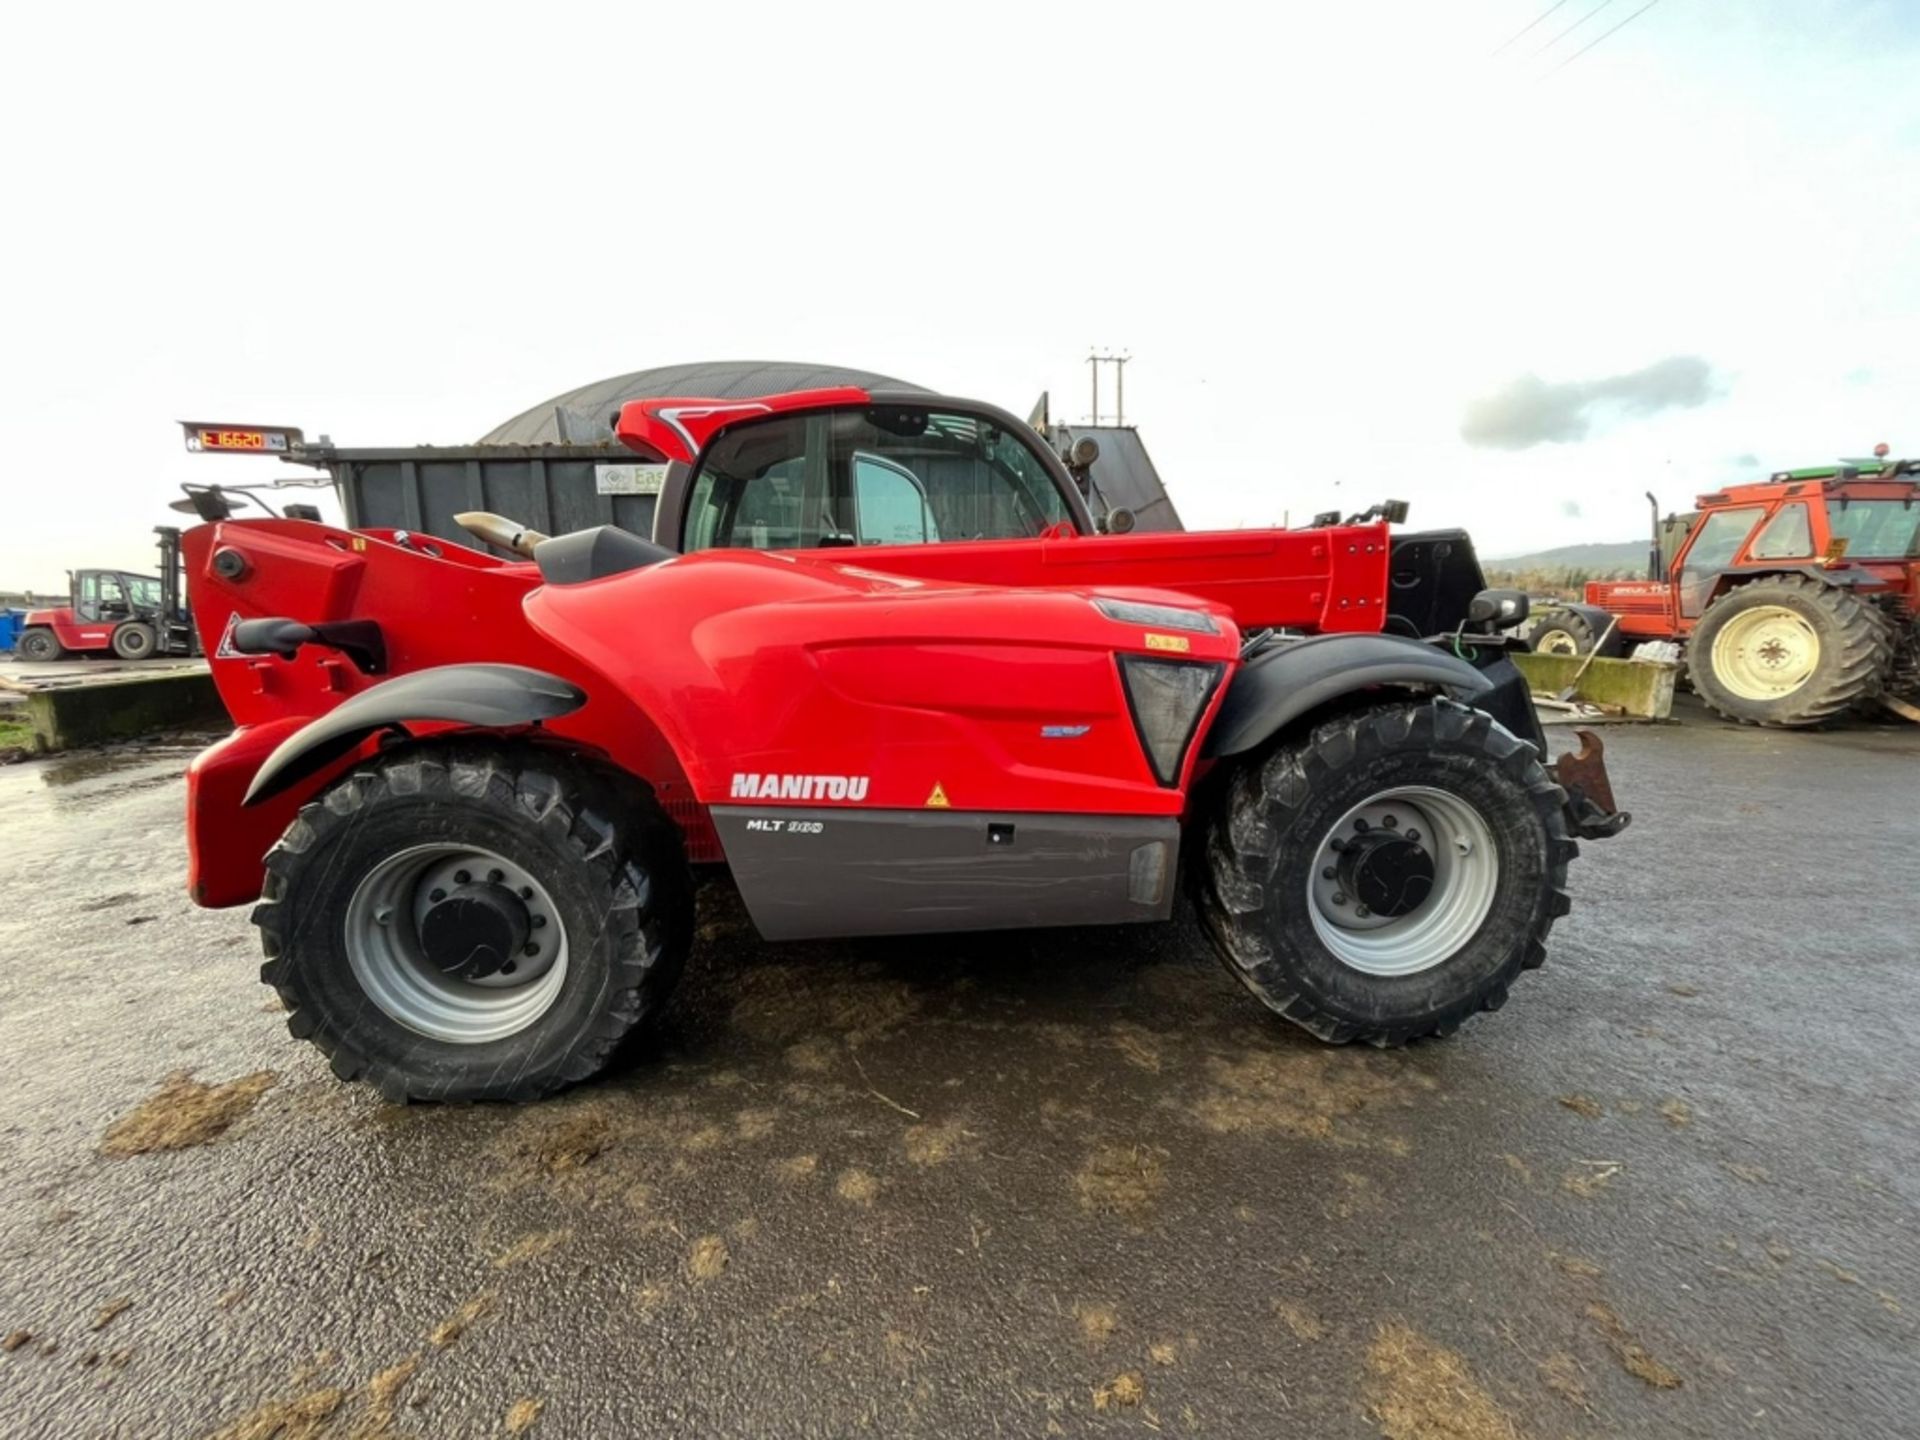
column 1466, row 866
column 383, row 948
column 1766, row 652
column 1556, row 642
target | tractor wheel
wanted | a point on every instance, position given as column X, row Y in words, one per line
column 1561, row 631
column 1389, row 875
column 467, row 925
column 133, row 640
column 39, row 643
column 1789, row 651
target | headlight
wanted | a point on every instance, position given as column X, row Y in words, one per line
column 1157, row 617
column 1167, row 700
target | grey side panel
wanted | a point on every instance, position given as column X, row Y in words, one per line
column 1285, row 683
column 494, row 696
column 813, row 873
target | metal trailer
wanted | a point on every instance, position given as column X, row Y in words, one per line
column 552, row 488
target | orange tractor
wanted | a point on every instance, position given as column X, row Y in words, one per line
column 1795, row 598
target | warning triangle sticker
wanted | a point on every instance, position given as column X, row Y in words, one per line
column 938, row 799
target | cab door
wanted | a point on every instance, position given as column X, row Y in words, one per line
column 1720, row 538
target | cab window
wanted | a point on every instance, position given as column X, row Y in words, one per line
column 1712, row 551
column 889, row 504
column 100, row 597
column 1787, row 536
column 1877, row 529
column 886, row 475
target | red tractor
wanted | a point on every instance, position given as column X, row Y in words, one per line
column 473, row 792
column 1796, row 598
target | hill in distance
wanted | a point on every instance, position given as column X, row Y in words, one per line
column 1627, row 555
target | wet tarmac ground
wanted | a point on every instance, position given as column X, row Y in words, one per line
column 1065, row 1183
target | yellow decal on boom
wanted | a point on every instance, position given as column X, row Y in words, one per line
column 1169, row 642
column 938, row 799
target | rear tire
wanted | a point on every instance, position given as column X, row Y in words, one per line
column 1564, row 631
column 1789, row 651
column 348, row 896
column 1454, row 773
column 39, row 644
column 134, row 640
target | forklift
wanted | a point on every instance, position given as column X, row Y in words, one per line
column 133, row 617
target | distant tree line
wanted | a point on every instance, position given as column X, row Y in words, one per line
column 1563, row 582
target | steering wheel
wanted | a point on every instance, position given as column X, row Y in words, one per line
column 498, row 530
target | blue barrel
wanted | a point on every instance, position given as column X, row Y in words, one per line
column 10, row 627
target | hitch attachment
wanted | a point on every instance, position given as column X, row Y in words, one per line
column 1582, row 773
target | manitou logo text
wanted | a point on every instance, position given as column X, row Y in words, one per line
column 799, row 787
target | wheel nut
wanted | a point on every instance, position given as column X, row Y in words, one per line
column 1339, row 899
column 496, row 876
column 509, row 967
column 1360, row 825
column 1361, row 911
column 526, row 892
column 530, row 949
column 436, row 896
column 539, row 922
column 1390, row 822
column 461, row 877
column 1414, row 835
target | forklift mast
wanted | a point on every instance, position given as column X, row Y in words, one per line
column 175, row 624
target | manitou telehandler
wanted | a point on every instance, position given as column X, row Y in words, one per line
column 894, row 679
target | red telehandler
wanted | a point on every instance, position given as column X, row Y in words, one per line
column 895, row 680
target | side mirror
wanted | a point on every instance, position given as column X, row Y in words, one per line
column 1394, row 512
column 1498, row 609
column 1120, row 520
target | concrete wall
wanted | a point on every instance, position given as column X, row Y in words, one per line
column 121, row 709
column 1640, row 687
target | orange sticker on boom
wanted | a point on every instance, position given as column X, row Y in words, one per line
column 938, row 799
column 1169, row 642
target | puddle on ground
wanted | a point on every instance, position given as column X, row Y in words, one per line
column 65, row 770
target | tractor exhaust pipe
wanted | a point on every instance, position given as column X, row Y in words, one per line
column 1653, row 547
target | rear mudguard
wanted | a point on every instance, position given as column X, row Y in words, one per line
column 491, row 696
column 1274, row 690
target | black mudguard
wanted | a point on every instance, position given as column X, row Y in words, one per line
column 490, row 696
column 1276, row 688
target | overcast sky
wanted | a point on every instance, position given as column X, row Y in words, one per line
column 1354, row 253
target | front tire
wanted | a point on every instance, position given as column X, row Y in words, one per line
column 39, row 644
column 467, row 925
column 134, row 640
column 1461, row 910
column 1789, row 651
